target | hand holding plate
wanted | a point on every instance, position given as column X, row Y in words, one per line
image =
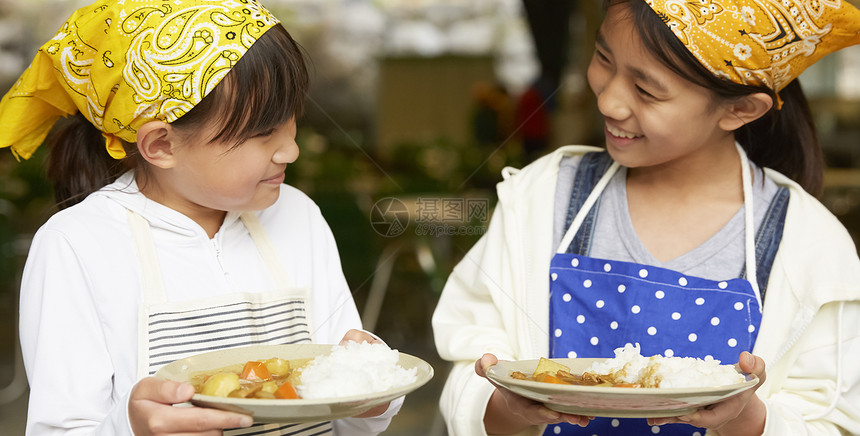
column 739, row 414
column 508, row 411
column 151, row 411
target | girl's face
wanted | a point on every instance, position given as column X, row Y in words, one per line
column 652, row 115
column 219, row 177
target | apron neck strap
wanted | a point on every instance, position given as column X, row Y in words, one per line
column 586, row 207
column 749, row 223
column 150, row 273
column 267, row 251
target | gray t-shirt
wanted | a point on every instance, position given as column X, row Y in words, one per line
column 719, row 258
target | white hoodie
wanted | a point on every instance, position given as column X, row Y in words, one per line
column 81, row 290
column 497, row 301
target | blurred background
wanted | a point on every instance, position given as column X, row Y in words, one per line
column 415, row 108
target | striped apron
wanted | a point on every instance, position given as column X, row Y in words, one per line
column 170, row 331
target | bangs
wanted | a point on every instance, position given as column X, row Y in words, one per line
column 265, row 88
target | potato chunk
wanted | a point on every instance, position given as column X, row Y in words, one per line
column 546, row 365
column 221, row 384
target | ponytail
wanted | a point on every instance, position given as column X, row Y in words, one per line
column 78, row 162
column 785, row 140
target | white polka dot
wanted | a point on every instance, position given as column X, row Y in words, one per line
column 566, row 298
column 669, row 352
column 708, row 357
column 692, row 337
column 700, row 301
column 558, row 333
column 615, row 423
column 733, row 342
column 613, row 325
column 676, row 316
column 554, row 276
column 594, row 340
column 587, row 283
column 715, row 321
column 739, row 306
column 751, row 328
column 574, row 263
column 621, row 289
column 580, row 319
column 599, row 304
column 659, row 295
column 652, row 331
column 682, row 281
column 571, row 354
column 607, row 267
column 695, row 433
column 556, row 429
column 723, row 285
column 643, row 273
column 655, row 429
column 635, row 309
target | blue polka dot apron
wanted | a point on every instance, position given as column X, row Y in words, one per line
column 598, row 305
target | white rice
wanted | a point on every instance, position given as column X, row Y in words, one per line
column 354, row 369
column 629, row 366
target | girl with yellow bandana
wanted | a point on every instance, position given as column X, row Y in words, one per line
column 695, row 232
column 176, row 234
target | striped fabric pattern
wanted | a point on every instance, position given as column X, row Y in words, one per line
column 175, row 335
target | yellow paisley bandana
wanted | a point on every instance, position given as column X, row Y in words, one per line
column 123, row 63
column 760, row 42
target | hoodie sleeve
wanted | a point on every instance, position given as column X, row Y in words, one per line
column 59, row 319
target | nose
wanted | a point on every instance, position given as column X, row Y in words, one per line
column 613, row 100
column 287, row 151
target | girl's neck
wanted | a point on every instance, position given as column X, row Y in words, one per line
column 716, row 171
column 208, row 219
column 676, row 207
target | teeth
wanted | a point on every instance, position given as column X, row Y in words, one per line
column 619, row 133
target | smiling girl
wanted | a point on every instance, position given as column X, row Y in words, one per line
column 176, row 235
column 695, row 232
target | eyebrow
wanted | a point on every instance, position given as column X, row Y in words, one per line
column 638, row 73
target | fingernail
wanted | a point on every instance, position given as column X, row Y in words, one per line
column 686, row 418
column 750, row 360
column 184, row 391
column 245, row 421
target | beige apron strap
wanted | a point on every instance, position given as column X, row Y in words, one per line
column 151, row 280
column 749, row 224
column 267, row 251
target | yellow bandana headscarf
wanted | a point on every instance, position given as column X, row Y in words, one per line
column 123, row 63
column 760, row 42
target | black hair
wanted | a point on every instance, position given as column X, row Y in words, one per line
column 265, row 89
column 783, row 139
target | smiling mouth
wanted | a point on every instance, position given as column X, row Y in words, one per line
column 620, row 133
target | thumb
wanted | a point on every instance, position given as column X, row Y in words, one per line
column 162, row 391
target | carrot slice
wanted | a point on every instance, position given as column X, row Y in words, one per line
column 255, row 370
column 286, row 392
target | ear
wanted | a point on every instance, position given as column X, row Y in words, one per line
column 746, row 110
column 155, row 142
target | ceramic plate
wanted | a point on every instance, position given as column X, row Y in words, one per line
column 287, row 411
column 608, row 401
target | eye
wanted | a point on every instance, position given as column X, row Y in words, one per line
column 644, row 93
column 600, row 56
